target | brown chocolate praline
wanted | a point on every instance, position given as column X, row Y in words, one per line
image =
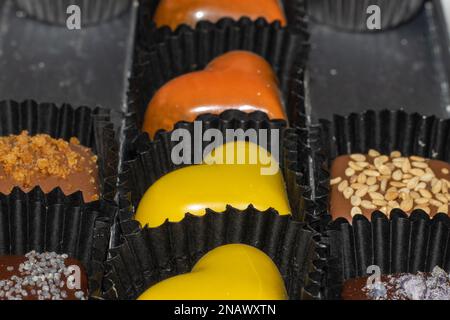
column 340, row 207
column 354, row 289
column 433, row 285
column 29, row 161
column 10, row 273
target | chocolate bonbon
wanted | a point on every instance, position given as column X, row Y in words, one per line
column 239, row 80
column 214, row 186
column 175, row 12
column 29, row 161
column 361, row 184
column 230, row 272
column 404, row 286
column 42, row 276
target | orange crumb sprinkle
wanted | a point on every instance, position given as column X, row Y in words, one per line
column 23, row 156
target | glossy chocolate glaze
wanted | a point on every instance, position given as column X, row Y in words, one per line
column 238, row 80
column 175, row 12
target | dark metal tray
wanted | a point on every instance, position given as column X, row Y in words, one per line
column 53, row 64
column 408, row 67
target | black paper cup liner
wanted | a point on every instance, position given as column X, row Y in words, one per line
column 399, row 244
column 150, row 255
column 351, row 15
column 146, row 160
column 148, row 34
column 384, row 131
column 311, row 162
column 55, row 11
column 188, row 50
column 54, row 221
column 396, row 244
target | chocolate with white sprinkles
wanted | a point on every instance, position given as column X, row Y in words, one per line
column 42, row 276
column 402, row 286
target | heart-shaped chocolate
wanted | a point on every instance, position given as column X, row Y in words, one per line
column 193, row 189
column 236, row 80
column 175, row 12
column 230, row 272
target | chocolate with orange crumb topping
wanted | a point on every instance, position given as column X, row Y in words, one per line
column 29, row 161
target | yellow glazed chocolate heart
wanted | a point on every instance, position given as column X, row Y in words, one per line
column 193, row 189
column 230, row 272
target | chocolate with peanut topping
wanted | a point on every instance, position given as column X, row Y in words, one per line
column 363, row 183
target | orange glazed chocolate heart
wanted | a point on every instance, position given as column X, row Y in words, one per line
column 175, row 12
column 236, row 80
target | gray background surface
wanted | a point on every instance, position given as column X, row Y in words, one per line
column 53, row 64
column 406, row 67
